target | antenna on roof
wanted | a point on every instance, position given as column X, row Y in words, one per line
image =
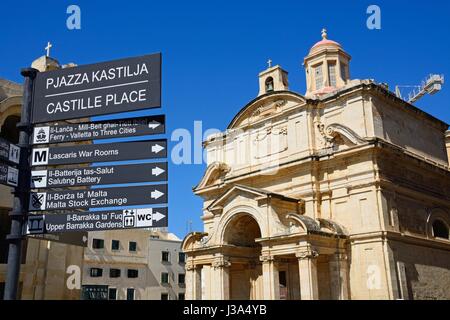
column 431, row 85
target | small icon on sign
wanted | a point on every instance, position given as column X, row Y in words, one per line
column 13, row 176
column 39, row 179
column 35, row 224
column 40, row 157
column 41, row 135
column 129, row 218
column 14, row 153
column 37, row 201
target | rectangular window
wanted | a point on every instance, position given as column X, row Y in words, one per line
column 164, row 296
column 98, row 243
column 181, row 257
column 96, row 272
column 112, row 294
column 181, row 296
column 130, row 294
column 318, row 74
column 332, row 74
column 132, row 273
column 114, row 273
column 115, row 245
column 181, row 278
column 132, row 247
column 165, row 256
column 344, row 72
column 164, row 278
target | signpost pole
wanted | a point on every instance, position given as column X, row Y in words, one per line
column 21, row 193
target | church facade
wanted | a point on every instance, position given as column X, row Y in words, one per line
column 340, row 193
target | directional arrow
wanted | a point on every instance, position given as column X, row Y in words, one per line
column 153, row 125
column 157, row 148
column 157, row 216
column 156, row 171
column 156, row 194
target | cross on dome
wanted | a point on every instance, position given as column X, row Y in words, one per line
column 47, row 48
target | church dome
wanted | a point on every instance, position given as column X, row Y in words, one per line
column 324, row 43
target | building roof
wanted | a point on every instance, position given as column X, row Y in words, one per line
column 325, row 42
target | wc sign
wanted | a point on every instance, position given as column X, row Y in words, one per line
column 141, row 218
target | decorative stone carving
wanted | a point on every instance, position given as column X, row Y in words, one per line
column 267, row 258
column 221, row 262
column 308, row 253
column 330, row 132
column 268, row 109
column 190, row 266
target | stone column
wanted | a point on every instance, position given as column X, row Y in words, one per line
column 271, row 283
column 339, row 276
column 221, row 278
column 193, row 281
column 307, row 268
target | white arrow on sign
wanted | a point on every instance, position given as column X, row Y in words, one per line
column 157, row 148
column 156, row 171
column 157, row 216
column 156, row 194
column 153, row 125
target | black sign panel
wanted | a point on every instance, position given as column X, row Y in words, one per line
column 85, row 176
column 97, row 89
column 9, row 152
column 133, row 127
column 8, row 175
column 102, row 220
column 98, row 198
column 35, row 228
column 100, row 152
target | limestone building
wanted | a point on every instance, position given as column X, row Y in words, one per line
column 43, row 271
column 340, row 193
column 135, row 264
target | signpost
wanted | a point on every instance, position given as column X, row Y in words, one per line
column 98, row 220
column 97, row 89
column 99, row 130
column 98, row 198
column 9, row 152
column 85, row 176
column 78, row 93
column 99, row 152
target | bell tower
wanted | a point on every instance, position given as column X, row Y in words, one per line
column 326, row 67
column 273, row 79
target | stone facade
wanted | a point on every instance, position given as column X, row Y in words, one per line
column 343, row 193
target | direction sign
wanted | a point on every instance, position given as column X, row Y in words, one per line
column 100, row 220
column 133, row 127
column 9, row 152
column 98, row 198
column 100, row 152
column 8, row 175
column 97, row 89
column 85, row 176
column 78, row 238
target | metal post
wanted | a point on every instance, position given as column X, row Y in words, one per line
column 21, row 193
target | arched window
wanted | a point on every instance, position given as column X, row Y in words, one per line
column 440, row 229
column 269, row 84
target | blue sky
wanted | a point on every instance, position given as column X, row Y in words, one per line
column 214, row 50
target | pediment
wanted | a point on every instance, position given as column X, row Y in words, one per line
column 266, row 106
column 247, row 192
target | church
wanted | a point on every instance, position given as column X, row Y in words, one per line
column 339, row 193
